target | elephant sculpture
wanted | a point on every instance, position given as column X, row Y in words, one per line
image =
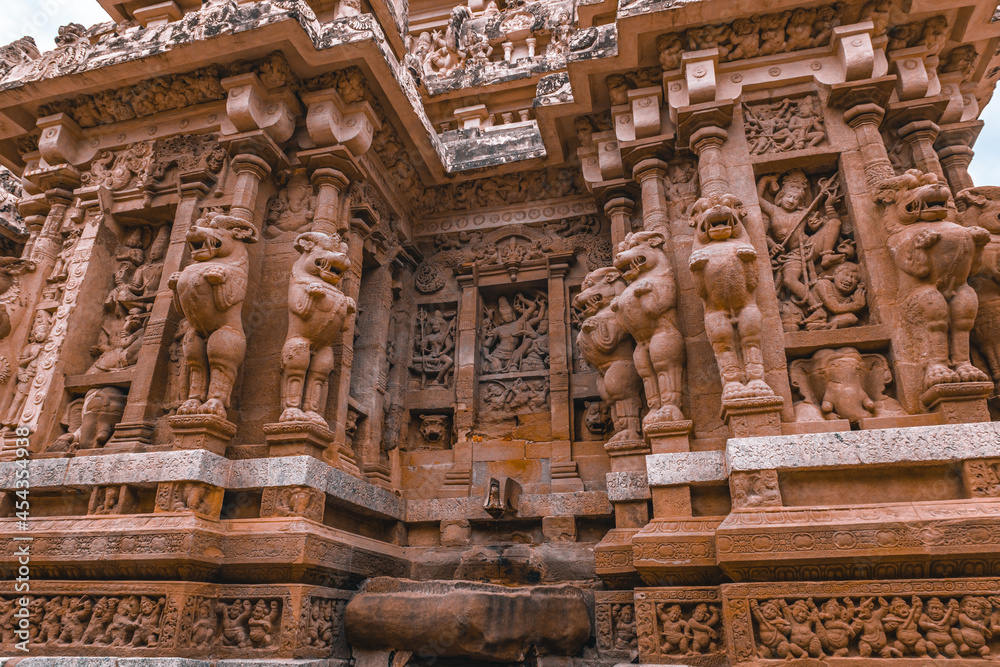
column 842, row 384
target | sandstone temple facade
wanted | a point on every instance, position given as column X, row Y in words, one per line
column 557, row 333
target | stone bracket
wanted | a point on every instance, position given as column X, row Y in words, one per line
column 915, row 72
column 251, row 107
column 855, row 50
column 699, row 71
column 330, row 121
column 62, row 141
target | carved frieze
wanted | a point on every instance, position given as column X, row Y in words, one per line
column 759, row 35
column 786, row 125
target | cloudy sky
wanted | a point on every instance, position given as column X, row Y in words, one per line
column 42, row 18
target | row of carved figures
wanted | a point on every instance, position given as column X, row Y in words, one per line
column 876, row 627
column 145, row 621
column 629, row 327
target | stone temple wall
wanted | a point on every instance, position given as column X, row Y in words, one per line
column 534, row 333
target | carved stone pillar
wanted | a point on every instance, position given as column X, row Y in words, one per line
column 920, row 135
column 619, row 210
column 330, row 187
column 650, row 173
column 343, row 351
column 565, row 476
column 457, row 481
column 250, row 171
column 136, row 426
column 865, row 119
column 47, row 246
column 707, row 144
column 955, row 161
column 370, row 364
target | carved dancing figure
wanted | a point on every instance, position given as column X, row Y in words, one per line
column 902, row 619
column 868, row 625
column 673, row 630
column 834, row 629
column 936, row 622
column 772, row 629
column 701, row 632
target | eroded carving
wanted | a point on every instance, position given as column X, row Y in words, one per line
column 843, row 384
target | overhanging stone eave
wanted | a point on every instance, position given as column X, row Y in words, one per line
column 288, row 36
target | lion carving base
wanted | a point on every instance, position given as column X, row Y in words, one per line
column 726, row 272
column 934, row 257
column 209, row 292
column 647, row 309
column 606, row 346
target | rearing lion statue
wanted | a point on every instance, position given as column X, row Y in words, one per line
column 209, row 292
column 606, row 346
column 934, row 256
column 724, row 265
column 317, row 312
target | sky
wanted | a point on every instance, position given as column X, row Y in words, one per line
column 41, row 19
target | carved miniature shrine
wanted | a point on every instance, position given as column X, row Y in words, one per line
column 518, row 332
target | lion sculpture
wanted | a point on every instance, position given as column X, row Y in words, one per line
column 726, row 273
column 317, row 313
column 606, row 346
column 209, row 292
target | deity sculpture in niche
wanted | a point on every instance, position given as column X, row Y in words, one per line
column 120, row 349
column 810, row 256
column 293, row 208
column 934, row 256
column 726, row 273
column 842, row 384
column 318, row 312
column 210, row 292
column 981, row 206
column 433, row 357
column 515, row 334
column 647, row 309
column 27, row 366
column 606, row 345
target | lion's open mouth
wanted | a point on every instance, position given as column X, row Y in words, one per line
column 631, row 267
column 204, row 246
column 330, row 269
column 932, row 204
